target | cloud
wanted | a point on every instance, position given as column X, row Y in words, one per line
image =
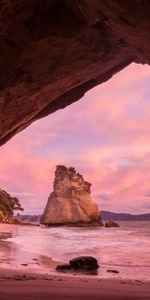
column 24, row 194
column 106, row 136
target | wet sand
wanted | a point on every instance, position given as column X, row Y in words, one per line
column 16, row 285
column 14, row 257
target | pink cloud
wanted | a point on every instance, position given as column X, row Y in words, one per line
column 105, row 136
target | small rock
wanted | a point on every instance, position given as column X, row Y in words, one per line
column 113, row 271
column 16, row 222
column 84, row 263
column 111, row 223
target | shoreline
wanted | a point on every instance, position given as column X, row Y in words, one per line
column 21, row 256
column 29, row 275
column 29, row 285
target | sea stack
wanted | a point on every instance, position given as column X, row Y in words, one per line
column 70, row 203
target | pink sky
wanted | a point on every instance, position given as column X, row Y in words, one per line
column 105, row 136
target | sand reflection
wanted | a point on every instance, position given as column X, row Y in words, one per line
column 13, row 256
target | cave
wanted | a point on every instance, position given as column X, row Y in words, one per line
column 53, row 52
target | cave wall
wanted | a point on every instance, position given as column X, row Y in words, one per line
column 53, row 51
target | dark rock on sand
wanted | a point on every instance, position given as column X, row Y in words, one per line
column 111, row 223
column 113, row 271
column 84, row 263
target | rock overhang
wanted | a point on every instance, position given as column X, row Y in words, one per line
column 53, row 52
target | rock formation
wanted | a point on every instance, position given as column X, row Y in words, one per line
column 2, row 217
column 6, row 219
column 53, row 51
column 111, row 223
column 8, row 204
column 70, row 202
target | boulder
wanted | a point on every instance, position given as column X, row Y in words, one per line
column 82, row 263
column 111, row 223
column 70, row 203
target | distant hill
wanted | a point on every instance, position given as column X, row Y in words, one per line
column 28, row 218
column 106, row 215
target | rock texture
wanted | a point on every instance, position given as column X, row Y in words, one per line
column 70, row 202
column 53, row 51
column 6, row 219
column 2, row 217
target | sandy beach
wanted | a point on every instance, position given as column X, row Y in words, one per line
column 18, row 284
column 28, row 275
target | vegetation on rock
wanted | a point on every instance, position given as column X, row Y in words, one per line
column 8, row 205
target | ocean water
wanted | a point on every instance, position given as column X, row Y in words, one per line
column 125, row 249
